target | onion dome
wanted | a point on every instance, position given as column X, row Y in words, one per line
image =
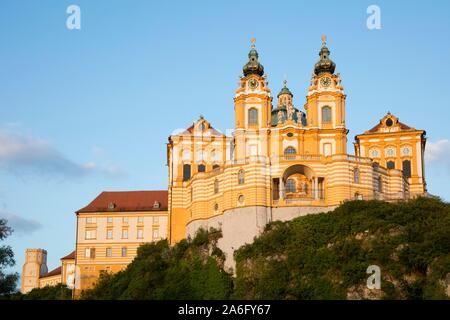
column 285, row 90
column 253, row 66
column 325, row 64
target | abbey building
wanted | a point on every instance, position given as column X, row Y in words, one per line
column 282, row 160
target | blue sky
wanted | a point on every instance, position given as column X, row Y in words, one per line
column 82, row 111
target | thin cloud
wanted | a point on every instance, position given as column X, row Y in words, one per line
column 438, row 153
column 22, row 154
column 20, row 225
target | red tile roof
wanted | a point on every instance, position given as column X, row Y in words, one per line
column 69, row 256
column 118, row 201
column 54, row 272
column 378, row 126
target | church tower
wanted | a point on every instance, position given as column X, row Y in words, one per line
column 34, row 267
column 325, row 106
column 252, row 106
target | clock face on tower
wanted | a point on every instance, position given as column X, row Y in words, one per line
column 253, row 84
column 325, row 82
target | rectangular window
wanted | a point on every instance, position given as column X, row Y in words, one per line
column 140, row 219
column 109, row 234
column 186, row 172
column 108, row 252
column 252, row 116
column 155, row 220
column 124, row 233
column 155, row 234
column 90, row 220
column 90, row 234
column 326, row 114
column 390, row 165
column 140, row 234
column 109, row 220
column 125, row 220
column 124, row 252
column 89, row 253
column 406, row 168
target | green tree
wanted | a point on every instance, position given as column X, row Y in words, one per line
column 326, row 255
column 192, row 269
column 7, row 281
column 57, row 292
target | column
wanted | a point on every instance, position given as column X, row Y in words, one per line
column 316, row 188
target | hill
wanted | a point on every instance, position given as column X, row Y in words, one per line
column 322, row 256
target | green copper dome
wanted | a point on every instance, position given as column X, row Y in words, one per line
column 253, row 66
column 285, row 90
column 325, row 64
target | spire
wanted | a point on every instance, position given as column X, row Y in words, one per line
column 285, row 89
column 325, row 64
column 253, row 66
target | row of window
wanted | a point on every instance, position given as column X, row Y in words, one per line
column 241, row 177
column 200, row 168
column 92, row 234
column 406, row 168
column 90, row 252
column 390, row 152
column 125, row 220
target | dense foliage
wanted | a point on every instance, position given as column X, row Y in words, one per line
column 7, row 281
column 326, row 256
column 321, row 256
column 192, row 269
column 58, row 292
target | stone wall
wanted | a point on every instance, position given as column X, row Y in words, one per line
column 241, row 225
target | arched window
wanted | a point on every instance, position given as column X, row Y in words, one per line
column 356, row 175
column 390, row 165
column 252, row 116
column 216, row 186
column 241, row 177
column 186, row 172
column 201, row 168
column 290, row 185
column 289, row 153
column 215, row 167
column 406, row 168
column 326, row 114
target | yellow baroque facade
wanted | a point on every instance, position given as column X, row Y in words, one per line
column 282, row 161
column 112, row 227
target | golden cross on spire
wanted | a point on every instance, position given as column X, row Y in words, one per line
column 324, row 40
column 253, row 40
